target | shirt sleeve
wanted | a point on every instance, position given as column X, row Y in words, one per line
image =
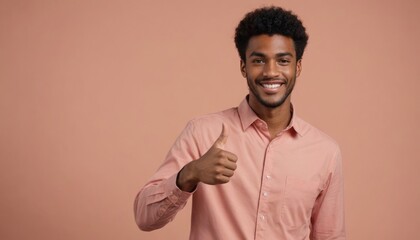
column 160, row 199
column 328, row 212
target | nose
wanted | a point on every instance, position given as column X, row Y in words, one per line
column 271, row 69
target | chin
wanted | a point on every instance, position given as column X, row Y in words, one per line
column 271, row 104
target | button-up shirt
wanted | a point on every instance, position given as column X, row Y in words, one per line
column 286, row 187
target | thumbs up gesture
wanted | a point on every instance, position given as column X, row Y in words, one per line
column 216, row 166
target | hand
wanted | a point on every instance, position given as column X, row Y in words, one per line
column 216, row 166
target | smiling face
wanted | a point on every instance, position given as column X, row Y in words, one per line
column 271, row 69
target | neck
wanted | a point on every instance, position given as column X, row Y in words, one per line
column 277, row 118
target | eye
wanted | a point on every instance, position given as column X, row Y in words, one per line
column 283, row 61
column 258, row 61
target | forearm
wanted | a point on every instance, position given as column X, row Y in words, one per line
column 160, row 200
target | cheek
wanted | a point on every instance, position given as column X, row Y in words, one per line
column 289, row 72
column 253, row 73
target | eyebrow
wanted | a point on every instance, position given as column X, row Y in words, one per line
column 259, row 54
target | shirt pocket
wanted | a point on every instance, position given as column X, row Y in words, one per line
column 300, row 196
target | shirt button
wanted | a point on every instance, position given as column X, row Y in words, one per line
column 265, row 194
column 262, row 217
column 268, row 177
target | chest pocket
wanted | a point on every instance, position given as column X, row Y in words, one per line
column 300, row 196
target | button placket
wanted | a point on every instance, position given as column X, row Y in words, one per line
column 263, row 210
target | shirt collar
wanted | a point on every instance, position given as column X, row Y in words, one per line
column 246, row 114
column 248, row 117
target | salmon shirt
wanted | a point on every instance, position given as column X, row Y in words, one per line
column 289, row 187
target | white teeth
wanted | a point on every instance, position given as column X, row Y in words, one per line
column 276, row 85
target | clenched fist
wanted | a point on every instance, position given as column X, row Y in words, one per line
column 216, row 166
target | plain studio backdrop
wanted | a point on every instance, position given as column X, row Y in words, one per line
column 93, row 94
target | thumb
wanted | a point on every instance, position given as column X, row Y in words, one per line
column 222, row 139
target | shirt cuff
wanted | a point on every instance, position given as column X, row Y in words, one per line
column 176, row 195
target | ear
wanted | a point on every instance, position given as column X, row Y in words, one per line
column 242, row 66
column 298, row 67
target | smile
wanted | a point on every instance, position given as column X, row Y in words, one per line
column 272, row 86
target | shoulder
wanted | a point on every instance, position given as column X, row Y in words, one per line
column 227, row 116
column 316, row 136
column 207, row 128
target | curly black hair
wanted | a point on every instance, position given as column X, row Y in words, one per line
column 271, row 20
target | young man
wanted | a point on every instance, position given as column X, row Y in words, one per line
column 256, row 171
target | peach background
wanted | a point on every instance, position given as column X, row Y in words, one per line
column 93, row 93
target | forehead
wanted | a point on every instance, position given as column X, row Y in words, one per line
column 270, row 45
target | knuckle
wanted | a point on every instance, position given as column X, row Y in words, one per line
column 223, row 179
column 220, row 162
column 222, row 154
